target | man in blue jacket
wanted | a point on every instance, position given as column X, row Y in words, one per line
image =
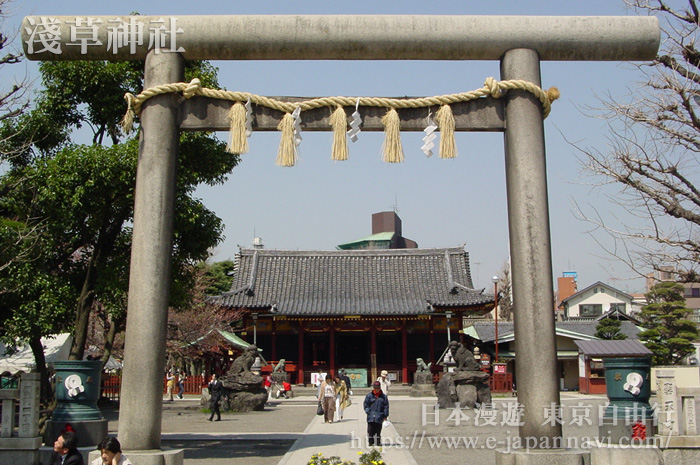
column 377, row 409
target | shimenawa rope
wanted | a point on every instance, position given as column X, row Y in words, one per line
column 392, row 150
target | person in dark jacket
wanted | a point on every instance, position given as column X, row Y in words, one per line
column 344, row 376
column 65, row 450
column 376, row 407
column 215, row 389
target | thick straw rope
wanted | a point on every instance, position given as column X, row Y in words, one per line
column 491, row 88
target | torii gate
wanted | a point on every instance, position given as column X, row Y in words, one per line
column 519, row 42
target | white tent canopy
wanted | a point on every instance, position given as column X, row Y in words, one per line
column 55, row 348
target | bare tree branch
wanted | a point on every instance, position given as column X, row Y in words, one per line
column 652, row 154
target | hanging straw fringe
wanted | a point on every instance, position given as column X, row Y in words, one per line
column 237, row 138
column 392, row 150
column 446, row 122
column 287, row 153
column 339, row 123
column 127, row 122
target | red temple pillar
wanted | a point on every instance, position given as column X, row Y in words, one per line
column 404, row 354
column 300, row 364
column 332, row 344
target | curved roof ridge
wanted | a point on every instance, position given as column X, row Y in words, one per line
column 459, row 249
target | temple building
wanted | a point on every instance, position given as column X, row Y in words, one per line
column 366, row 310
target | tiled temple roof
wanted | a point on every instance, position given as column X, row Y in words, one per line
column 355, row 282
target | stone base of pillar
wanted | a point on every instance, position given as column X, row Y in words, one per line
column 90, row 432
column 20, row 451
column 618, row 431
column 150, row 457
column 620, row 455
column 544, row 457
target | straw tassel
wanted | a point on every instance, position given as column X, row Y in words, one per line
column 392, row 150
column 287, row 153
column 446, row 121
column 127, row 122
column 237, row 138
column 339, row 123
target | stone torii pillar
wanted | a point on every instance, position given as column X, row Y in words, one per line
column 519, row 42
column 151, row 251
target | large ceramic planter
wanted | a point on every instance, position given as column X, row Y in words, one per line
column 77, row 390
column 628, row 384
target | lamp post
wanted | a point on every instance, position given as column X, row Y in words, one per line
column 495, row 308
column 255, row 328
column 448, row 315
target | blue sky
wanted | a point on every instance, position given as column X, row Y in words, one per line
column 321, row 203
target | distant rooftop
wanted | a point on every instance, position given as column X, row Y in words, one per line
column 380, row 240
column 386, row 234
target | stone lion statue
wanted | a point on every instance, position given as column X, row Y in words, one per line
column 421, row 366
column 279, row 368
column 243, row 363
column 463, row 357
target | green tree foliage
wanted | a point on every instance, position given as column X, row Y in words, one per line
column 218, row 277
column 669, row 335
column 78, row 199
column 609, row 329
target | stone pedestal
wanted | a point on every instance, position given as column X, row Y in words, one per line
column 20, row 451
column 22, row 447
column 243, row 393
column 422, row 385
column 544, row 457
column 280, row 377
column 90, row 432
column 423, row 377
column 463, row 387
column 620, row 431
column 625, row 455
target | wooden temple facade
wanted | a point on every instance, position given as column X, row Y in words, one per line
column 362, row 310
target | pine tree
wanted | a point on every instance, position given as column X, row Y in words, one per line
column 669, row 334
column 609, row 329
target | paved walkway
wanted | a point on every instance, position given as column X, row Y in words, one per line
column 287, row 432
column 343, row 439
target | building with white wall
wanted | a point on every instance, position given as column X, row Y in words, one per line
column 594, row 301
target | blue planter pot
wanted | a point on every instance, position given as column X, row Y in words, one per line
column 77, row 390
column 628, row 384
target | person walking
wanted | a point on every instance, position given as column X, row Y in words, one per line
column 215, row 389
column 327, row 398
column 376, row 406
column 169, row 385
column 385, row 382
column 181, row 383
column 341, row 397
column 344, row 376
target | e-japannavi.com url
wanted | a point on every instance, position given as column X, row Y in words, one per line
column 421, row 440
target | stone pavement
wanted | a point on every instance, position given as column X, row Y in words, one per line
column 344, row 439
column 288, row 432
